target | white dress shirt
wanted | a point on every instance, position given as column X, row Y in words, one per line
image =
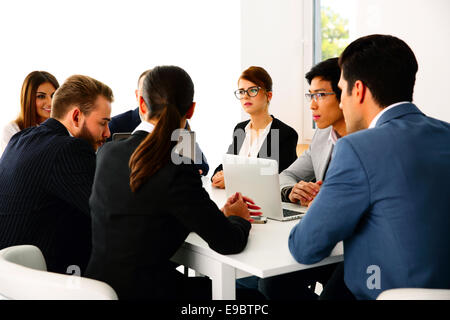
column 251, row 148
column 334, row 136
column 8, row 131
column 144, row 126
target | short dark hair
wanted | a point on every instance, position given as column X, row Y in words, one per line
column 81, row 91
column 385, row 64
column 327, row 70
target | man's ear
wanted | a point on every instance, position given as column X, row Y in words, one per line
column 143, row 107
column 190, row 112
column 75, row 116
column 361, row 90
column 269, row 96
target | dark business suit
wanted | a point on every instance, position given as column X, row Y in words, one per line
column 129, row 120
column 136, row 234
column 45, row 182
column 124, row 122
column 386, row 196
column 287, row 151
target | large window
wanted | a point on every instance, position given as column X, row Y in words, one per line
column 335, row 28
column 114, row 41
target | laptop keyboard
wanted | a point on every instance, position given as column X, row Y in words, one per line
column 290, row 213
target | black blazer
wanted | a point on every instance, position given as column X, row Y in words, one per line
column 45, row 182
column 129, row 120
column 288, row 138
column 135, row 234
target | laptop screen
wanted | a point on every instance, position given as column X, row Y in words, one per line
column 255, row 178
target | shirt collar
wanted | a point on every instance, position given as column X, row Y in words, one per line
column 334, row 136
column 144, row 126
column 266, row 129
column 378, row 116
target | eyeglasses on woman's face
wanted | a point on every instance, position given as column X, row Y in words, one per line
column 251, row 92
column 317, row 96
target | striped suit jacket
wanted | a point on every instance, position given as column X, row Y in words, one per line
column 45, row 182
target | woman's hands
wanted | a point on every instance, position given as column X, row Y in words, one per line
column 239, row 205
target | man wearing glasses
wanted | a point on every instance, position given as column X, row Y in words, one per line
column 301, row 181
column 386, row 192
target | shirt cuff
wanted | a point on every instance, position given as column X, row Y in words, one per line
column 285, row 192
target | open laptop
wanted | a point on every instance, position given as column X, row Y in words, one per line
column 258, row 179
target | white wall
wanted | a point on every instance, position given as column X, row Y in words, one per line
column 425, row 26
column 272, row 37
column 277, row 35
column 214, row 41
column 114, row 41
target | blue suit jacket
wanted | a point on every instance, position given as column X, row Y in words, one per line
column 129, row 120
column 386, row 195
column 124, row 122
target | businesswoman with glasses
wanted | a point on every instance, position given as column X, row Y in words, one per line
column 263, row 136
column 146, row 199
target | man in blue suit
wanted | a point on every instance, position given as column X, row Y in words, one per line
column 386, row 192
column 127, row 121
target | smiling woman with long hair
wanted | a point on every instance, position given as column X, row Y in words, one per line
column 35, row 104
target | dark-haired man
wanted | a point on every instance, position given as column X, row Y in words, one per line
column 301, row 181
column 46, row 176
column 386, row 191
column 127, row 121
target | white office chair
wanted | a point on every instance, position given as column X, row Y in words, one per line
column 415, row 294
column 24, row 276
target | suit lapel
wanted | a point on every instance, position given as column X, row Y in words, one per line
column 238, row 137
column 325, row 160
column 267, row 144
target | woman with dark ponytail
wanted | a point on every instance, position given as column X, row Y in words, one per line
column 144, row 205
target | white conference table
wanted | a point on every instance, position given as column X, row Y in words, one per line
column 266, row 254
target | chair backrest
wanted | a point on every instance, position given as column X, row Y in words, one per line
column 26, row 255
column 415, row 294
column 23, row 276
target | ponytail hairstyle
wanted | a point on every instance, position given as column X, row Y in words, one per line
column 168, row 92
